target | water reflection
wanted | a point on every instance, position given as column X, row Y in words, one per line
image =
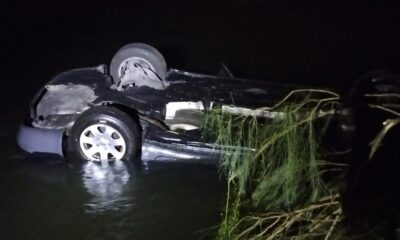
column 116, row 201
column 107, row 184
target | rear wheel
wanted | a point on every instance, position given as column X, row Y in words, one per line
column 104, row 133
column 136, row 55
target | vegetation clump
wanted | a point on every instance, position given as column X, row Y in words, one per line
column 279, row 185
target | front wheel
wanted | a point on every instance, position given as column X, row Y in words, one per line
column 104, row 133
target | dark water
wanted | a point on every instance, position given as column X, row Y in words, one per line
column 47, row 200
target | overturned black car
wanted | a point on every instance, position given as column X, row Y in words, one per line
column 140, row 108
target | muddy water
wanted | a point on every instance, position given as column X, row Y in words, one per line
column 51, row 200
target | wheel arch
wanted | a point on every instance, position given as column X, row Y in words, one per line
column 132, row 112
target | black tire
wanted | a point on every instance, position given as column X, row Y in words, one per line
column 141, row 50
column 109, row 116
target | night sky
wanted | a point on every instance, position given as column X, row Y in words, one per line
column 318, row 42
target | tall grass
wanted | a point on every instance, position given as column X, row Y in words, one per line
column 275, row 167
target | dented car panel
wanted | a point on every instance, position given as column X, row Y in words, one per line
column 61, row 103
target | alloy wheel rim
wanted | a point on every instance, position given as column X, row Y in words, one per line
column 102, row 142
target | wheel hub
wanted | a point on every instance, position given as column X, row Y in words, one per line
column 132, row 65
column 103, row 142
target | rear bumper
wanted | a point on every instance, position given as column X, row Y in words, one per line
column 40, row 140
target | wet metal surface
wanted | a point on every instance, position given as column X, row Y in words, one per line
column 47, row 200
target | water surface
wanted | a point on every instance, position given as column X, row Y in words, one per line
column 48, row 200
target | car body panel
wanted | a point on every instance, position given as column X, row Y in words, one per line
column 72, row 92
column 68, row 94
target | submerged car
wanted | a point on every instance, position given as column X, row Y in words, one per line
column 138, row 108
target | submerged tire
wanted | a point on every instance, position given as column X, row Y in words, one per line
column 103, row 133
column 138, row 52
